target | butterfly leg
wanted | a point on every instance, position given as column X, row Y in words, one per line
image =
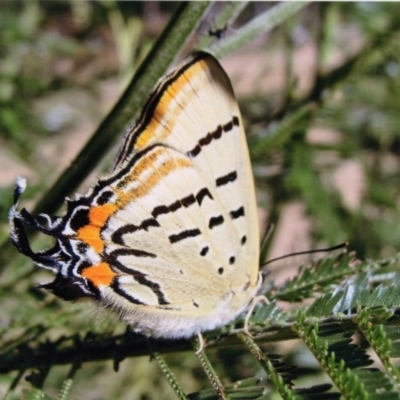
column 256, row 300
column 201, row 343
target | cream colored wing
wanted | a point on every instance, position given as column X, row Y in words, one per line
column 170, row 237
column 198, row 186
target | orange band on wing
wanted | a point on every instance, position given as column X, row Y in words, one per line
column 164, row 106
column 98, row 216
column 151, row 181
column 100, row 274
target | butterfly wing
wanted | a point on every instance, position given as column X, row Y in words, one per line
column 170, row 236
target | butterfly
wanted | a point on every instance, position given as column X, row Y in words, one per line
column 169, row 238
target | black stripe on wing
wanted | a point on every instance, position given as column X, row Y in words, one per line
column 223, row 180
column 184, row 235
column 214, row 135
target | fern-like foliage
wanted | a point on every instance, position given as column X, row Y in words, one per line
column 318, row 277
column 360, row 313
column 360, row 307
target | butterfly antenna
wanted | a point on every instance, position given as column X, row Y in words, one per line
column 264, row 242
column 267, row 235
column 339, row 246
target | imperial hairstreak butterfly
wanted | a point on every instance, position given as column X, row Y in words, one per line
column 169, row 238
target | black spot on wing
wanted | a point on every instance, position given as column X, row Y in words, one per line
column 104, row 197
column 237, row 213
column 223, row 180
column 231, row 260
column 188, row 200
column 79, row 219
column 227, row 127
column 215, row 221
column 204, row 251
column 195, row 151
column 176, row 205
column 159, row 210
column 202, row 194
column 184, row 235
column 243, row 240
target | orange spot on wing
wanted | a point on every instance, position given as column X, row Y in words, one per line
column 90, row 234
column 98, row 215
column 100, row 274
